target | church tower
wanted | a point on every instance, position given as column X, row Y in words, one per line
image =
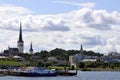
column 81, row 48
column 31, row 49
column 20, row 42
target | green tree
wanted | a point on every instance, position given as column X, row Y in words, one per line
column 57, row 51
column 40, row 64
column 81, row 65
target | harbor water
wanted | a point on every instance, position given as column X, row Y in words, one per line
column 82, row 75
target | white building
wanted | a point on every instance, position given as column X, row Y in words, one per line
column 72, row 60
column 51, row 59
column 89, row 60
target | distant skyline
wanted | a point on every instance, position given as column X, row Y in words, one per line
column 63, row 24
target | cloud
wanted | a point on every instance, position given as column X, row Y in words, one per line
column 86, row 4
column 55, row 27
column 96, row 29
column 12, row 10
column 112, row 44
column 100, row 26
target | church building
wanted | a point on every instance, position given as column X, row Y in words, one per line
column 20, row 45
column 20, row 42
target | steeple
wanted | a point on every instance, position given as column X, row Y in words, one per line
column 31, row 46
column 31, row 49
column 20, row 43
column 20, row 34
column 81, row 48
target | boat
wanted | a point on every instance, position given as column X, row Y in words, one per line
column 34, row 72
column 67, row 73
column 2, row 75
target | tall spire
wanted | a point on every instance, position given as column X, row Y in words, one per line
column 31, row 49
column 81, row 48
column 20, row 43
column 20, row 34
column 31, row 46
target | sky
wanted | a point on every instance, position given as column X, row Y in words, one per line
column 65, row 24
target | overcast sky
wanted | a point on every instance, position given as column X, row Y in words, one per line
column 66, row 24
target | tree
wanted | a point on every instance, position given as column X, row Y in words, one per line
column 81, row 65
column 40, row 64
column 57, row 51
column 112, row 66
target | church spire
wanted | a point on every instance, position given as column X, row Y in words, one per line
column 31, row 49
column 20, row 42
column 20, row 34
column 31, row 46
column 81, row 48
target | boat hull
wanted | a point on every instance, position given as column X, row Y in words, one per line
column 25, row 74
column 37, row 74
column 66, row 73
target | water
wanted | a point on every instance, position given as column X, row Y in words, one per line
column 88, row 75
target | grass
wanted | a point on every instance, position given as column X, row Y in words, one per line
column 11, row 63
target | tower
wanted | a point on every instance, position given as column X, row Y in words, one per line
column 31, row 49
column 20, row 42
column 81, row 48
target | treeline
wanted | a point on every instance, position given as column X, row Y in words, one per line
column 98, row 65
column 64, row 54
column 41, row 58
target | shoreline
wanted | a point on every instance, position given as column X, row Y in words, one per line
column 99, row 69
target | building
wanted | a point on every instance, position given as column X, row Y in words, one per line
column 31, row 49
column 20, row 42
column 62, row 63
column 89, row 60
column 13, row 50
column 79, row 57
column 72, row 60
column 51, row 59
column 20, row 45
